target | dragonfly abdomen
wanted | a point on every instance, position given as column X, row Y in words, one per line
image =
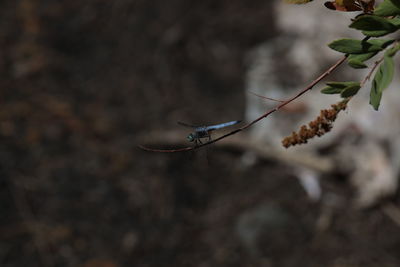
column 222, row 125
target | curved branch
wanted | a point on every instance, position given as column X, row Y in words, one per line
column 266, row 114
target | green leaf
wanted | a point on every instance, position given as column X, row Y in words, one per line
column 383, row 43
column 371, row 23
column 330, row 90
column 373, row 26
column 396, row 3
column 383, row 78
column 363, row 57
column 357, row 60
column 352, row 46
column 356, row 64
column 388, row 71
column 377, row 33
column 375, row 95
column 387, row 8
column 338, row 87
column 341, row 85
column 350, row 91
column 395, row 22
column 392, row 51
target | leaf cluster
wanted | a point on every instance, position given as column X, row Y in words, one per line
column 384, row 20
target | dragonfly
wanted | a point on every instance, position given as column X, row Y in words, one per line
column 204, row 131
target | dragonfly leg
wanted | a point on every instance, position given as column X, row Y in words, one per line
column 208, row 135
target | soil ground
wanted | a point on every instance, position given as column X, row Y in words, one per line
column 82, row 81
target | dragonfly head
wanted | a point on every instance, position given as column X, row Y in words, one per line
column 191, row 137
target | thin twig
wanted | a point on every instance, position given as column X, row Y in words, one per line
column 322, row 164
column 371, row 72
column 266, row 114
column 268, row 98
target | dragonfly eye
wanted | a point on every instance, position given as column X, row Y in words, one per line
column 190, row 137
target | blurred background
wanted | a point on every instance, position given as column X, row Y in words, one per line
column 84, row 82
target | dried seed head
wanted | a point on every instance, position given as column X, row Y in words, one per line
column 318, row 127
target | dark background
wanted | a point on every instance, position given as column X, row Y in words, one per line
column 83, row 82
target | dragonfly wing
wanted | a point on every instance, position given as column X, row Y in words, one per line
column 187, row 125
